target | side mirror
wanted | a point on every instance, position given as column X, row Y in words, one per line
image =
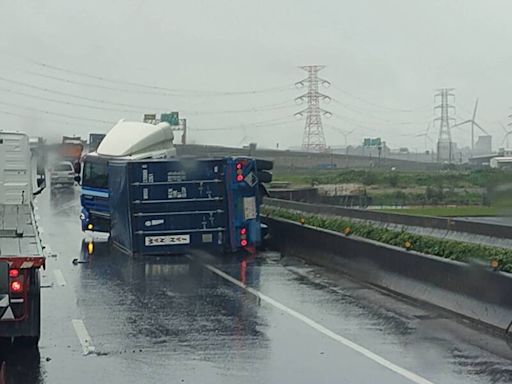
column 78, row 179
column 41, row 185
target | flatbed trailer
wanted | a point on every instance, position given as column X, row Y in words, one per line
column 21, row 253
column 20, row 260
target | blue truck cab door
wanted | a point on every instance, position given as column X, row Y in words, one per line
column 94, row 195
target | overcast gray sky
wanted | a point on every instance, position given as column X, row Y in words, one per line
column 384, row 58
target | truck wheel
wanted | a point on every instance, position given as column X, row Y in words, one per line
column 34, row 320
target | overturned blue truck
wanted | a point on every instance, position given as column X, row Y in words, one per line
column 153, row 206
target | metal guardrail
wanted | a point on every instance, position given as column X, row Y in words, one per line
column 472, row 291
column 448, row 224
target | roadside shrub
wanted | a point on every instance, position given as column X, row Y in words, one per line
column 393, row 180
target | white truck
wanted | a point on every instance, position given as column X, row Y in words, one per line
column 21, row 254
column 127, row 140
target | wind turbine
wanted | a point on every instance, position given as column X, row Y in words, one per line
column 473, row 124
column 506, row 135
column 426, row 136
column 245, row 136
column 345, row 135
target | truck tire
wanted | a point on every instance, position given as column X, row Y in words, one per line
column 34, row 320
column 264, row 176
column 264, row 165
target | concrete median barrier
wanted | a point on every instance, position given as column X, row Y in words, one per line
column 448, row 224
column 469, row 290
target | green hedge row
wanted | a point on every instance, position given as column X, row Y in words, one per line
column 499, row 258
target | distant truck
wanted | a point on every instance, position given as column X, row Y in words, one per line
column 21, row 255
column 127, row 140
column 501, row 162
column 70, row 149
column 167, row 206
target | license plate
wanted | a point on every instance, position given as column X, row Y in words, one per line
column 250, row 208
column 150, row 241
column 4, row 278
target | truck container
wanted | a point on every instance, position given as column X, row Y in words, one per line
column 168, row 206
column 21, row 254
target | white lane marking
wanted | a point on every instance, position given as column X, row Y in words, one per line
column 83, row 336
column 327, row 332
column 59, row 277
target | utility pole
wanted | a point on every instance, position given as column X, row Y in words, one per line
column 444, row 119
column 183, row 123
column 313, row 139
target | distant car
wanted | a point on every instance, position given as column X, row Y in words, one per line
column 63, row 174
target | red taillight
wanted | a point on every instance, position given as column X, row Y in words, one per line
column 14, row 273
column 239, row 172
column 16, row 287
column 243, row 237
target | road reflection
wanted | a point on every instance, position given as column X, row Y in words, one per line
column 175, row 300
column 64, row 200
column 19, row 364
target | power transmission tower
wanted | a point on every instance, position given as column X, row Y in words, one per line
column 313, row 139
column 444, row 120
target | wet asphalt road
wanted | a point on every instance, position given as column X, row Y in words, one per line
column 173, row 320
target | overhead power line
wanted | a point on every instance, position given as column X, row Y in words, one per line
column 56, row 113
column 138, row 108
column 100, row 86
column 377, row 117
column 377, row 105
column 70, row 103
column 67, row 94
column 45, row 119
column 150, row 89
column 259, row 124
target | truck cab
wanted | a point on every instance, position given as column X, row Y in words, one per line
column 127, row 140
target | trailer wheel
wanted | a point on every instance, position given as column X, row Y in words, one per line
column 34, row 320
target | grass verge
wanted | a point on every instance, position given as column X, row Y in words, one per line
column 473, row 211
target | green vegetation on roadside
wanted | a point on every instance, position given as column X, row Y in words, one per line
column 396, row 179
column 406, row 188
column 449, row 249
column 459, row 211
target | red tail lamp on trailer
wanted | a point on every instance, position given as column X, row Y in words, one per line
column 239, row 172
column 243, row 237
column 14, row 273
column 16, row 286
